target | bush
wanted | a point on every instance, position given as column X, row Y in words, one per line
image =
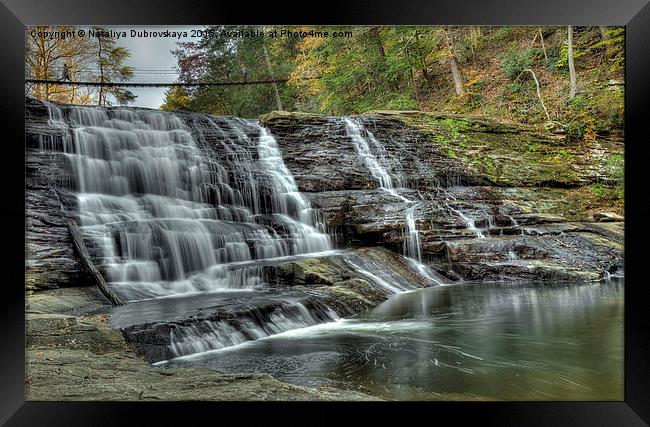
column 576, row 130
column 513, row 63
column 578, row 103
column 608, row 106
column 502, row 33
column 553, row 53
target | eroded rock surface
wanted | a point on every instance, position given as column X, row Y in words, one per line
column 490, row 201
column 526, row 193
column 82, row 358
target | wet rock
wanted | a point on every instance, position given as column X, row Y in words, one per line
column 510, row 179
column 70, row 358
column 607, row 217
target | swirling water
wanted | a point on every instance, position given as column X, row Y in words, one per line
column 464, row 342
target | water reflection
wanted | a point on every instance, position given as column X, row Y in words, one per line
column 499, row 341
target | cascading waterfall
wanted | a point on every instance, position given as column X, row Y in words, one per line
column 469, row 222
column 166, row 220
column 374, row 157
column 206, row 335
column 170, row 208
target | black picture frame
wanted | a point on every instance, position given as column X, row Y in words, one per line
column 634, row 14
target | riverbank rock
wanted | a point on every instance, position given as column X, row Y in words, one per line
column 82, row 358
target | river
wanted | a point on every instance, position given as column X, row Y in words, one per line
column 467, row 341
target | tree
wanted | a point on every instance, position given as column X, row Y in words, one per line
column 403, row 68
column 539, row 92
column 278, row 102
column 110, row 59
column 223, row 59
column 176, row 98
column 572, row 70
column 45, row 58
column 453, row 64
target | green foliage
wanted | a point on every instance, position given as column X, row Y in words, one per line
column 513, row 62
column 578, row 126
column 502, row 34
column 401, row 102
column 613, row 47
column 533, row 147
column 553, row 53
column 221, row 58
column 453, row 128
column 607, row 192
column 408, row 67
column 373, row 71
column 607, row 105
column 599, row 109
column 110, row 60
column 176, row 98
column 578, row 102
column 451, row 153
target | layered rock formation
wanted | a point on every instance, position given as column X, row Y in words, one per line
column 488, row 201
column 496, row 201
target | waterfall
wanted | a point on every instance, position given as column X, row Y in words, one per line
column 377, row 159
column 469, row 222
column 167, row 219
column 257, row 323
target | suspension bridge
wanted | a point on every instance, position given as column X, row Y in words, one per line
column 150, row 84
column 146, row 76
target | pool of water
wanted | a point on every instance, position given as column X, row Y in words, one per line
column 467, row 342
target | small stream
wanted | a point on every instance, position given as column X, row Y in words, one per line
column 466, row 341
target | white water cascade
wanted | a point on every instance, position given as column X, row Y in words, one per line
column 377, row 159
column 167, row 220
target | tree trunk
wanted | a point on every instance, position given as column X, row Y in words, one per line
column 541, row 37
column 603, row 32
column 381, row 80
column 47, row 86
column 539, row 92
column 455, row 73
column 101, row 72
column 275, row 85
column 415, row 88
column 572, row 70
column 423, row 64
column 73, row 93
column 453, row 64
column 87, row 264
column 81, row 252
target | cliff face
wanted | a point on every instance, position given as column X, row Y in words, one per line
column 496, row 201
column 50, row 259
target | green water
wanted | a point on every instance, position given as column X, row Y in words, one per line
column 487, row 342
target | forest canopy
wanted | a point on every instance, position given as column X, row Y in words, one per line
column 568, row 77
column 521, row 74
